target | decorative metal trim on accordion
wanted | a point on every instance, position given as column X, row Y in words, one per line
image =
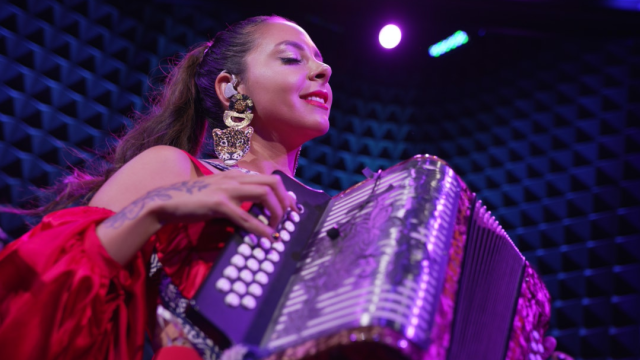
column 419, row 267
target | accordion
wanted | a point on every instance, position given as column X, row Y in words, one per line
column 406, row 264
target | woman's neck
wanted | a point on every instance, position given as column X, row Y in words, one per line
column 265, row 157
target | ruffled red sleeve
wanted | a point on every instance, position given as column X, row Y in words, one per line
column 63, row 297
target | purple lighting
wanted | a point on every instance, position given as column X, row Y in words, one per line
column 390, row 36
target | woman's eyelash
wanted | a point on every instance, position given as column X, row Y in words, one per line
column 290, row 60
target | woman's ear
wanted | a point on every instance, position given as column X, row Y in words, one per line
column 221, row 83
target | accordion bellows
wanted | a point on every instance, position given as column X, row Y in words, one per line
column 416, row 266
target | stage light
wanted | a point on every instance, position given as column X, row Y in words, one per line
column 623, row 4
column 457, row 39
column 390, row 36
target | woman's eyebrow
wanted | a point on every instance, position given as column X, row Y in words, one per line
column 300, row 47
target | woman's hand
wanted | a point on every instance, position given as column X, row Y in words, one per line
column 218, row 196
column 200, row 199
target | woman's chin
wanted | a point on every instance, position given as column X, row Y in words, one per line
column 315, row 127
column 308, row 134
column 321, row 129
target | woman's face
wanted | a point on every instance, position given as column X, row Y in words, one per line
column 289, row 85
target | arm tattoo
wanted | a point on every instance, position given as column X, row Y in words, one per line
column 133, row 210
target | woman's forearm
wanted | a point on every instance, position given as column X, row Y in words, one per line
column 124, row 234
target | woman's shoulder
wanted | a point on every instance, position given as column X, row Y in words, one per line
column 155, row 167
column 164, row 152
column 170, row 162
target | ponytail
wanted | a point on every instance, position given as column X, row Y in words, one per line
column 175, row 117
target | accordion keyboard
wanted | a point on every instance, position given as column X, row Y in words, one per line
column 245, row 285
column 249, row 269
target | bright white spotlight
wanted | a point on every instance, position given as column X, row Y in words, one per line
column 390, row 36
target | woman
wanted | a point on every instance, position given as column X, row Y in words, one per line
column 76, row 285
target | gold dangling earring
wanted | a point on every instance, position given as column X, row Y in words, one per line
column 232, row 144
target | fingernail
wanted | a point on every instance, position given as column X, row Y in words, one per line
column 275, row 236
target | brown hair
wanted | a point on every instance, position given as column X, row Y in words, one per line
column 177, row 115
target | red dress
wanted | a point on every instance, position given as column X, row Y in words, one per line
column 63, row 297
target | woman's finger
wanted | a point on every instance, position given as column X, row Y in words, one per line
column 245, row 220
column 262, row 194
column 275, row 183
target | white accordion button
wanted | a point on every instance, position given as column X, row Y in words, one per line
column 288, row 225
column 250, row 239
column 273, row 256
column 261, row 278
column 246, row 275
column 237, row 260
column 239, row 287
column 293, row 195
column 265, row 243
column 284, row 235
column 230, row 272
column 258, row 254
column 249, row 302
column 223, row 285
column 255, row 289
column 244, row 250
column 263, row 219
column 253, row 264
column 293, row 216
column 278, row 246
column 232, row 299
column 267, row 266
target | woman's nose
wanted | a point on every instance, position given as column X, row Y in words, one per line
column 323, row 72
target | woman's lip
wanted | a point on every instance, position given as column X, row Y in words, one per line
column 316, row 103
column 317, row 93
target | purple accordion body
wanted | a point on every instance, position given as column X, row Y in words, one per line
column 407, row 264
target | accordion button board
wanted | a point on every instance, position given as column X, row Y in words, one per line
column 252, row 273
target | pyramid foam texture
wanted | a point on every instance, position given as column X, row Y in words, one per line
column 551, row 144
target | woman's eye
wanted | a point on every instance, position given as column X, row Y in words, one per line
column 288, row 61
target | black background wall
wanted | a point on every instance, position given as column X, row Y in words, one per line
column 545, row 128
